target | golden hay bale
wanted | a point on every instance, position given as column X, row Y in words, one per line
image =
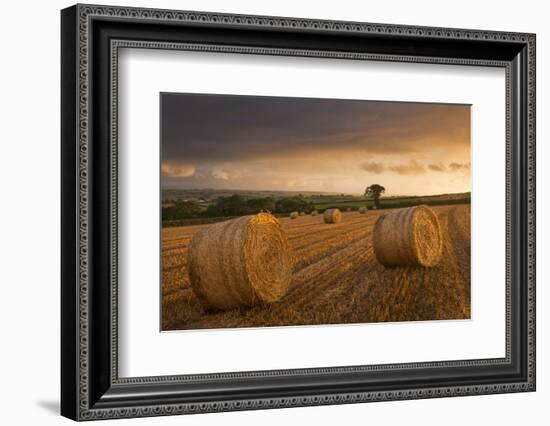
column 332, row 216
column 302, row 214
column 293, row 215
column 314, row 213
column 410, row 236
column 362, row 210
column 240, row 262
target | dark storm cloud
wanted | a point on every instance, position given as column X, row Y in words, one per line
column 208, row 129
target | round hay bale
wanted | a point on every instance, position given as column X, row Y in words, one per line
column 410, row 236
column 332, row 216
column 348, row 209
column 293, row 215
column 314, row 213
column 240, row 262
column 302, row 214
column 362, row 210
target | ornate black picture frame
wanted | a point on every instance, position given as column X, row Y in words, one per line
column 91, row 36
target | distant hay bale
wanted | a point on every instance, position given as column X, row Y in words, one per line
column 348, row 209
column 293, row 215
column 374, row 207
column 302, row 214
column 314, row 213
column 240, row 262
column 410, row 236
column 362, row 210
column 332, row 216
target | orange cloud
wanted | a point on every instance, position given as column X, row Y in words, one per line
column 436, row 167
column 373, row 167
column 411, row 168
column 180, row 170
column 457, row 167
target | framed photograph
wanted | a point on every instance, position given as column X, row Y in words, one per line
column 263, row 212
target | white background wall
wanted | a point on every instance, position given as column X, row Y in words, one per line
column 29, row 213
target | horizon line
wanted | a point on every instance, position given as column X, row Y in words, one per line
column 310, row 191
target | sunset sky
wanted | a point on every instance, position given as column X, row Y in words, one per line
column 303, row 144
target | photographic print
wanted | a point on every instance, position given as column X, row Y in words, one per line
column 282, row 211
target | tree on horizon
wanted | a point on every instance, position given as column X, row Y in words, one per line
column 374, row 191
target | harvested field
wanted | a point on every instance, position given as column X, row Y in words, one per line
column 336, row 278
